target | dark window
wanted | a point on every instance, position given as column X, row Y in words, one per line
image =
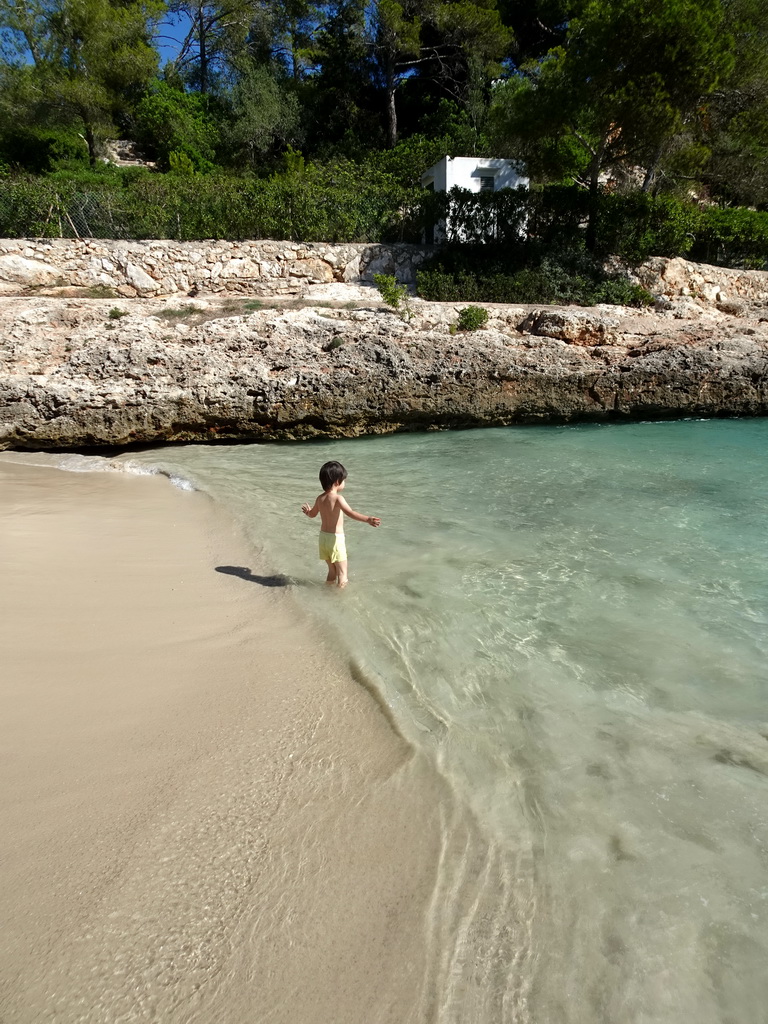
column 486, row 183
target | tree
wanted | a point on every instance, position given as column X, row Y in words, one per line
column 340, row 96
column 285, row 32
column 169, row 120
column 24, row 31
column 262, row 115
column 538, row 25
column 217, row 33
column 734, row 132
column 396, row 41
column 631, row 77
column 79, row 62
column 456, row 44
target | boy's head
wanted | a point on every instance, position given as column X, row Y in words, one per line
column 332, row 473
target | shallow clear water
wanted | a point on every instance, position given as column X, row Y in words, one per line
column 574, row 623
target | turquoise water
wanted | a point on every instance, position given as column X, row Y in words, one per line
column 573, row 622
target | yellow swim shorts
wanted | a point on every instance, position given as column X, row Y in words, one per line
column 333, row 547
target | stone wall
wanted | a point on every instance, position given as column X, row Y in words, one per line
column 679, row 278
column 265, row 268
column 166, row 267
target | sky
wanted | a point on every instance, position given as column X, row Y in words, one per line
column 171, row 33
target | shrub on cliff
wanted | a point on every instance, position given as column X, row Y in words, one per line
column 636, row 225
column 472, row 318
column 336, row 202
column 394, row 295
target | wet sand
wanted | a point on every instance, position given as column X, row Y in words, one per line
column 204, row 817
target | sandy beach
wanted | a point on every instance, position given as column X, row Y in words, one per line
column 204, row 817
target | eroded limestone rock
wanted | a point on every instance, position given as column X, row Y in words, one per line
column 72, row 375
column 577, row 327
column 29, row 273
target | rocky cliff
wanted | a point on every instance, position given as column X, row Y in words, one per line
column 81, row 372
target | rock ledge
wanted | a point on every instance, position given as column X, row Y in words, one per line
column 83, row 373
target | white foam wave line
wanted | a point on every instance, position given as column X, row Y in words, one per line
column 74, row 463
column 141, row 469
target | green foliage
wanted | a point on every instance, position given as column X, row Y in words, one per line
column 346, row 202
column 637, row 225
column 545, row 284
column 480, row 216
column 323, row 205
column 735, row 130
column 77, row 62
column 462, row 274
column 671, row 96
column 619, row 93
column 632, row 225
column 171, row 121
column 289, row 31
column 116, row 313
column 339, row 100
column 456, row 45
column 293, row 161
column 733, row 237
column 394, row 294
column 173, row 313
column 217, row 36
column 261, row 116
column 180, row 164
column 405, row 163
column 41, row 149
column 472, row 318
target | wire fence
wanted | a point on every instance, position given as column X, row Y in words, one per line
column 194, row 209
column 83, row 215
column 342, row 208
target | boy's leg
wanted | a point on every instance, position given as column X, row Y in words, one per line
column 341, row 573
column 331, row 577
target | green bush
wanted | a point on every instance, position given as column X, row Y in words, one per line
column 571, row 277
column 393, row 294
column 169, row 120
column 532, row 285
column 637, row 225
column 318, row 206
column 40, row 149
column 472, row 318
column 180, row 164
column 733, row 237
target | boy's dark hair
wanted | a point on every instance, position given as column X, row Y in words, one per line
column 331, row 473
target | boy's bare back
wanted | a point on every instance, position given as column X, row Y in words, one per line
column 330, row 506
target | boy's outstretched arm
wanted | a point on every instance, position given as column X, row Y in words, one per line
column 371, row 520
column 311, row 512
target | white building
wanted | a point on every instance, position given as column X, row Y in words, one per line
column 474, row 173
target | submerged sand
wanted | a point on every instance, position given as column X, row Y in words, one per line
column 204, row 817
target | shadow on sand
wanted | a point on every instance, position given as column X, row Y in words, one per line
column 245, row 574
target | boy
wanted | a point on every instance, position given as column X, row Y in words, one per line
column 332, row 509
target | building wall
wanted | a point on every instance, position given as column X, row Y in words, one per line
column 468, row 171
